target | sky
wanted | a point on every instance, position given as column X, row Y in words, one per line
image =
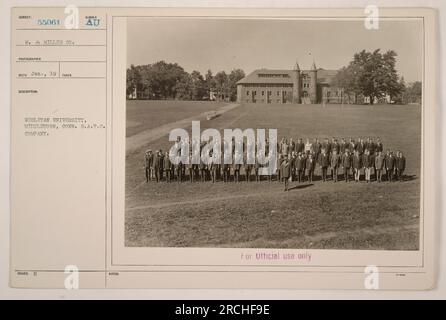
column 250, row 44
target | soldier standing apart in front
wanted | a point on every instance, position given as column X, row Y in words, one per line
column 285, row 170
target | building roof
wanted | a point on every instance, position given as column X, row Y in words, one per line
column 267, row 76
column 313, row 66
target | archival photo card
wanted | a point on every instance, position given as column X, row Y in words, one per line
column 293, row 146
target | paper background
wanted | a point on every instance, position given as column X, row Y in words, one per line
column 438, row 292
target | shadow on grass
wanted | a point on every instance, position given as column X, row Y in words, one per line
column 409, row 178
column 303, row 186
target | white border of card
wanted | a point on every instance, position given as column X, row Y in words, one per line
column 67, row 224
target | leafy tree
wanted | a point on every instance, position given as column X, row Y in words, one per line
column 133, row 80
column 183, row 88
column 235, row 76
column 210, row 82
column 371, row 74
column 346, row 78
column 163, row 80
column 401, row 97
column 413, row 92
column 221, row 85
column 199, row 89
column 390, row 84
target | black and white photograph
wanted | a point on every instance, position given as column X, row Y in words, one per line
column 235, row 148
column 336, row 105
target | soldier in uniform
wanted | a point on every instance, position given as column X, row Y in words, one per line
column 324, row 162
column 316, row 149
column 371, row 146
column 279, row 160
column 367, row 164
column 360, row 147
column 283, row 146
column 308, row 147
column 379, row 165
column 190, row 168
column 291, row 146
column 148, row 165
column 310, row 165
column 285, row 170
column 352, row 145
column 293, row 159
column 357, row 164
column 256, row 170
column 342, row 146
column 156, row 166
column 334, row 164
column 237, row 165
column 179, row 170
column 161, row 157
column 202, row 168
column 379, row 146
column 248, row 169
column 346, row 163
column 300, row 167
column 226, row 172
column 190, row 171
column 400, row 165
column 335, row 146
column 168, row 167
column 328, row 147
column 389, row 162
column 300, row 146
column 214, row 168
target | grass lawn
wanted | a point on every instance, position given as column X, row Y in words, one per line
column 319, row 215
column 148, row 114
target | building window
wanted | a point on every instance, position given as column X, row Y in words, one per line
column 263, row 93
column 255, row 93
column 247, row 93
column 273, row 75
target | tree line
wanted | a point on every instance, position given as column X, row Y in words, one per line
column 162, row 80
column 373, row 75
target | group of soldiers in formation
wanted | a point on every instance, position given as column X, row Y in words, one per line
column 296, row 161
